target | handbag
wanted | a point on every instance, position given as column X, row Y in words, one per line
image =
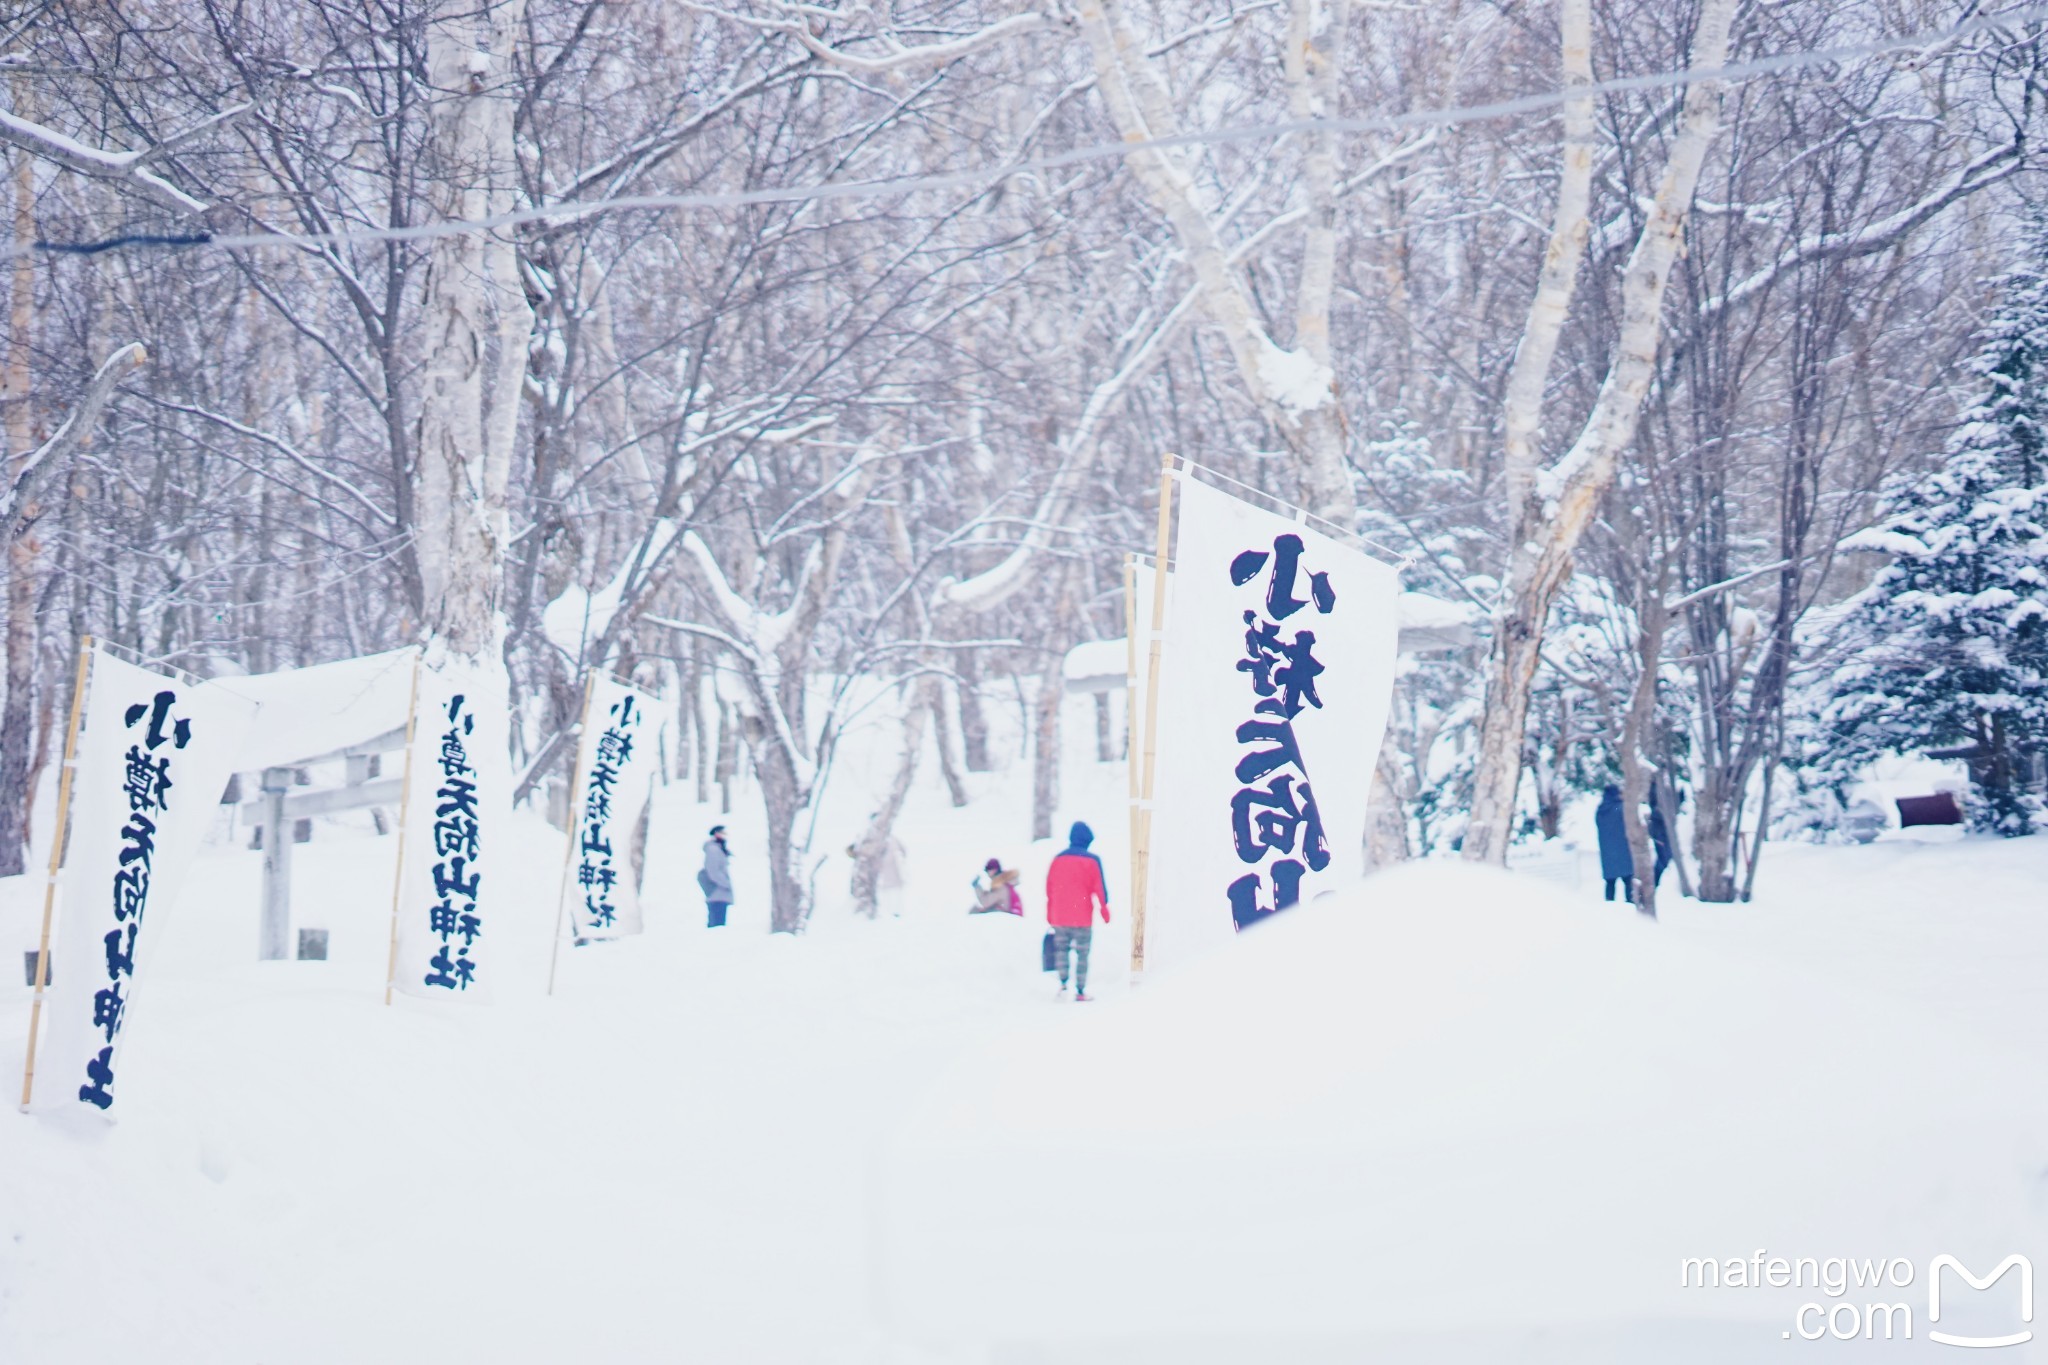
column 1045, row 954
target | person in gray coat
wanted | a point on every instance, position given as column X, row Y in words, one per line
column 716, row 877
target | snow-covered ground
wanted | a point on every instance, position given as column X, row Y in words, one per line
column 685, row 1154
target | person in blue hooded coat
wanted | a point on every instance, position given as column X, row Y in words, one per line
column 1617, row 865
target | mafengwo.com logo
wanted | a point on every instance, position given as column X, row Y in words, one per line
column 1861, row 1298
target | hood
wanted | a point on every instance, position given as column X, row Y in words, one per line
column 1080, row 836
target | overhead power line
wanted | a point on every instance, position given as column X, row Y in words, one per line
column 1537, row 102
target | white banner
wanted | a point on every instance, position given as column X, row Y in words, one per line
column 153, row 759
column 453, row 869
column 615, row 770
column 1274, row 683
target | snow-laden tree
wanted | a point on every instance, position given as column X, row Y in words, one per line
column 1948, row 647
column 1552, row 508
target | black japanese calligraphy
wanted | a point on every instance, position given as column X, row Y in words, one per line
column 1275, row 810
column 597, row 871
column 146, row 783
column 458, row 881
column 1281, row 602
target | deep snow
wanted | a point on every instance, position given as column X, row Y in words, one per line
column 692, row 1152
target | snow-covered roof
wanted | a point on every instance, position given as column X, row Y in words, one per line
column 307, row 712
column 1433, row 623
column 1097, row 666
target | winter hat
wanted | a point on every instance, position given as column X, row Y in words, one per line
column 1080, row 836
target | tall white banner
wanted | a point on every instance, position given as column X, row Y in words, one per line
column 453, row 871
column 614, row 774
column 154, row 756
column 1274, row 682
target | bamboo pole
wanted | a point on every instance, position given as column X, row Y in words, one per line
column 569, row 847
column 412, row 714
column 1131, row 719
column 1141, row 858
column 35, row 1012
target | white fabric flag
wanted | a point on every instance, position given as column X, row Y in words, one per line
column 1274, row 682
column 453, row 873
column 153, row 759
column 614, row 774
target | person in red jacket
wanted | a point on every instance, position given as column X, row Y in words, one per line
column 1074, row 887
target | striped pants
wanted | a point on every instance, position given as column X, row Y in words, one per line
column 1067, row 940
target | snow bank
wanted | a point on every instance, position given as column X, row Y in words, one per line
column 1452, row 1108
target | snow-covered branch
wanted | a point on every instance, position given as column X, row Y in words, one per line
column 127, row 170
column 808, row 24
column 1982, row 172
column 895, row 55
column 35, row 466
column 286, row 449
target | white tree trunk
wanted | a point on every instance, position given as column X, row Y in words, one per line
column 476, row 323
column 1551, row 517
column 1386, row 824
column 1294, row 389
column 873, row 845
column 1522, row 407
column 16, row 794
column 770, row 653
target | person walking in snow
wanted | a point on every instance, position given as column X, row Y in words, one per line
column 715, row 877
column 1074, row 888
column 1660, row 836
column 1617, row 864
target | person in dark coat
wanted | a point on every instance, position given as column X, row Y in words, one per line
column 1616, row 863
column 715, row 878
column 1660, row 835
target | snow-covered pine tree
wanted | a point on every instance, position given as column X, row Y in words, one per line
column 1948, row 648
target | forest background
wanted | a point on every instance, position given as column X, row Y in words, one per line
column 769, row 352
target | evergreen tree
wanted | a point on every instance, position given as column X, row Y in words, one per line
column 1949, row 646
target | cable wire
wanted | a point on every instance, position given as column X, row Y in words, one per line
column 987, row 175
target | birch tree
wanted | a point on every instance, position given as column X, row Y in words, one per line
column 770, row 650
column 477, row 321
column 1555, row 505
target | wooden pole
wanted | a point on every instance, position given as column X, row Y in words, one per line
column 35, row 1012
column 1141, row 859
column 275, row 926
column 1131, row 718
column 569, row 847
column 412, row 713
